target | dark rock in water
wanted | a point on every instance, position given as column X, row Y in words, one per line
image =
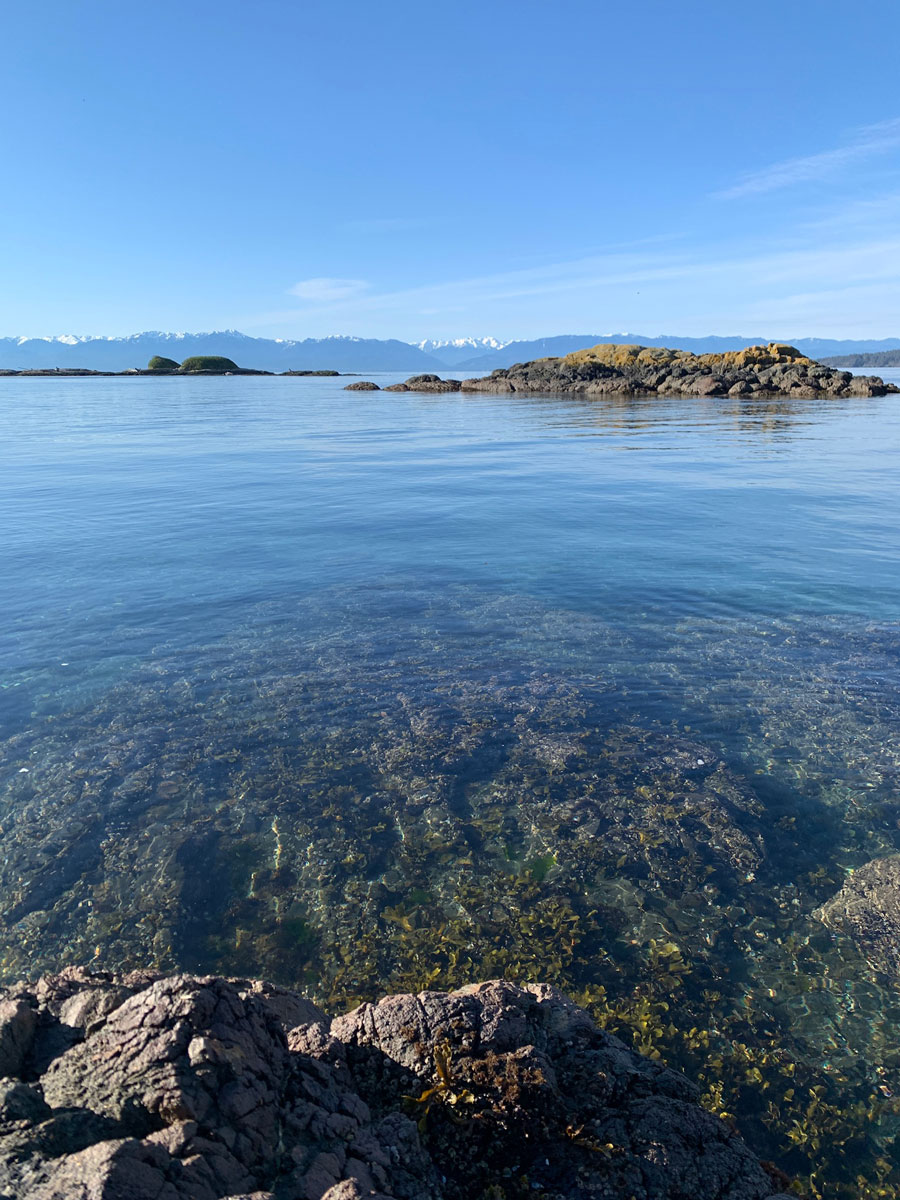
column 867, row 909
column 775, row 369
column 363, row 385
column 204, row 1088
column 425, row 383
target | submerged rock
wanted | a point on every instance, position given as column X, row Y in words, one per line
column 203, row 1088
column 867, row 909
column 775, row 369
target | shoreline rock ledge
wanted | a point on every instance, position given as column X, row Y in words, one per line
column 772, row 370
column 143, row 1087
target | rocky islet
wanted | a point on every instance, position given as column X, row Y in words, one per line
column 613, row 369
column 415, row 383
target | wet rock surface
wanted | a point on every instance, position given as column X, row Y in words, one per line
column 362, row 385
column 200, row 1088
column 771, row 370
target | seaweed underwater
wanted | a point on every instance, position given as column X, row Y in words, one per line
column 505, row 790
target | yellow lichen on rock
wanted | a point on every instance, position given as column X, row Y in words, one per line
column 611, row 354
column 757, row 356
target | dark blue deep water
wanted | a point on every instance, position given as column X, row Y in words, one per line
column 361, row 690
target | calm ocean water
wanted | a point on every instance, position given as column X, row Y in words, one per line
column 361, row 690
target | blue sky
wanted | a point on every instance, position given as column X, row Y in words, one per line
column 406, row 170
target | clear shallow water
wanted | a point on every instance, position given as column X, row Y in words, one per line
column 375, row 690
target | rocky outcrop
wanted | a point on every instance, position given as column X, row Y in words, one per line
column 426, row 383
column 362, row 385
column 183, row 1088
column 76, row 372
column 867, row 909
column 775, row 369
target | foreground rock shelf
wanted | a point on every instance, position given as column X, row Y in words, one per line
column 186, row 1088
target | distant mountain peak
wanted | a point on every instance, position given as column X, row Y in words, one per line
column 453, row 351
column 475, row 343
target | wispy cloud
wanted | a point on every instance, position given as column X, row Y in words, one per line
column 791, row 286
column 868, row 142
column 871, row 213
column 328, row 291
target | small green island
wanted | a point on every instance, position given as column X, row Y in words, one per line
column 201, row 364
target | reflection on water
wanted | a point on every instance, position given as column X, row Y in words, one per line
column 407, row 691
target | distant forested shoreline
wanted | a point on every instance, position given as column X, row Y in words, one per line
column 883, row 358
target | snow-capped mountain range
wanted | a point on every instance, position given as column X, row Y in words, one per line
column 261, row 354
column 474, row 356
column 457, row 351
